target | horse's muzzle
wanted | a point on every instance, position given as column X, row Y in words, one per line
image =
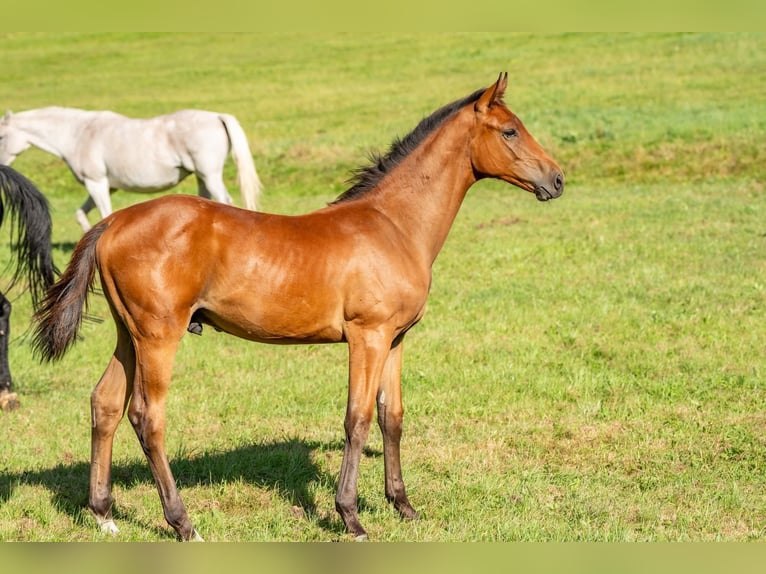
column 551, row 191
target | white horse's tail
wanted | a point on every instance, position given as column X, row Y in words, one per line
column 249, row 183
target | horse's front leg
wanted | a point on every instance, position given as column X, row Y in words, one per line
column 390, row 415
column 367, row 354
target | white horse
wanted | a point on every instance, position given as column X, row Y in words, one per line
column 107, row 151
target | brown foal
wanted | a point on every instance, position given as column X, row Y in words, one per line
column 357, row 271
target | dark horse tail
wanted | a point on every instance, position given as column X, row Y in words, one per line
column 59, row 316
column 31, row 220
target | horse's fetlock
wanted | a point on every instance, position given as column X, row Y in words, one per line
column 101, row 509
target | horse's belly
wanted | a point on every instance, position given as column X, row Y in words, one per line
column 147, row 180
column 274, row 327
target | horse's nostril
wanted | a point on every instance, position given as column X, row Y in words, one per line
column 558, row 183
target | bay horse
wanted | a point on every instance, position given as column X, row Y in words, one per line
column 357, row 271
column 107, row 151
column 31, row 244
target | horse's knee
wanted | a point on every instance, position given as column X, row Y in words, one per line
column 357, row 425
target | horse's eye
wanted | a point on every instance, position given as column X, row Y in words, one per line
column 511, row 133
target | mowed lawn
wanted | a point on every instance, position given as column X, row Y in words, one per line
column 589, row 369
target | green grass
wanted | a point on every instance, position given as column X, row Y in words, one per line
column 588, row 369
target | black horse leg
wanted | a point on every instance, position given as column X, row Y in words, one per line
column 8, row 399
column 5, row 322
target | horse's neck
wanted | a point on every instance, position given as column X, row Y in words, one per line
column 423, row 194
column 51, row 129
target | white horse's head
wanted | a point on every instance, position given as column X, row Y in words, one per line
column 12, row 141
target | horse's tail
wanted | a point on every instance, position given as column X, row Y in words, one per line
column 249, row 183
column 60, row 314
column 31, row 220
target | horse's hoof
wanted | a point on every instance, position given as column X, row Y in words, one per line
column 9, row 401
column 195, row 537
column 195, row 328
column 109, row 527
column 361, row 538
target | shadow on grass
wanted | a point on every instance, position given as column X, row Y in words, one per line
column 65, row 246
column 284, row 466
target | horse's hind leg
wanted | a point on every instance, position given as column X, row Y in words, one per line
column 390, row 414
column 82, row 214
column 147, row 415
column 108, row 402
column 210, row 186
column 99, row 197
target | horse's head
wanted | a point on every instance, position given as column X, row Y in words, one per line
column 12, row 143
column 503, row 148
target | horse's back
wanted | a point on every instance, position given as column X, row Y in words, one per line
column 157, row 221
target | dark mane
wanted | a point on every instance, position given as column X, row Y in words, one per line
column 366, row 178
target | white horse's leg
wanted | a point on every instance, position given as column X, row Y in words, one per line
column 99, row 197
column 208, row 161
column 212, row 187
column 82, row 213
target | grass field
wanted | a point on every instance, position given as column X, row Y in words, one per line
column 590, row 369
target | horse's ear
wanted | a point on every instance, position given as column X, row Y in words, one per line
column 493, row 94
column 7, row 116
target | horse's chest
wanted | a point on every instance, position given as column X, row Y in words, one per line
column 398, row 298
